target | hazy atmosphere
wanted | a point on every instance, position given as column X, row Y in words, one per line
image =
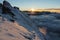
column 36, row 4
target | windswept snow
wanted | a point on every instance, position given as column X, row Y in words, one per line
column 12, row 30
column 23, row 20
column 17, row 25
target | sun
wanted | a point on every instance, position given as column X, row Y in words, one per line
column 32, row 9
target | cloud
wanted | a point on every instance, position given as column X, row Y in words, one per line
column 51, row 21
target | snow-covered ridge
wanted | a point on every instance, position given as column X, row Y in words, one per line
column 17, row 25
column 11, row 16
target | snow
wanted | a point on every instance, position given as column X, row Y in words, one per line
column 27, row 27
column 25, row 21
column 9, row 31
column 12, row 32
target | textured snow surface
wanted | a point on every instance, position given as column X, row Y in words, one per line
column 21, row 20
column 13, row 31
column 28, row 28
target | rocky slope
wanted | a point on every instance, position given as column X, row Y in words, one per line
column 17, row 25
column 12, row 21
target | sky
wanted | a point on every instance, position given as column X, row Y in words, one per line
column 36, row 4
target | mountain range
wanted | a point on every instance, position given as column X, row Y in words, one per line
column 50, row 10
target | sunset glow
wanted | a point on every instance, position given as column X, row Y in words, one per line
column 32, row 9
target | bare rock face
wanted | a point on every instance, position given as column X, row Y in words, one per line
column 6, row 8
column 16, row 7
column 0, row 5
column 0, row 9
column 7, row 4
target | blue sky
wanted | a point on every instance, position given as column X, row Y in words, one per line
column 36, row 4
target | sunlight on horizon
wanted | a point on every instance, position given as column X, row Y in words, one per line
column 35, row 5
column 32, row 9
